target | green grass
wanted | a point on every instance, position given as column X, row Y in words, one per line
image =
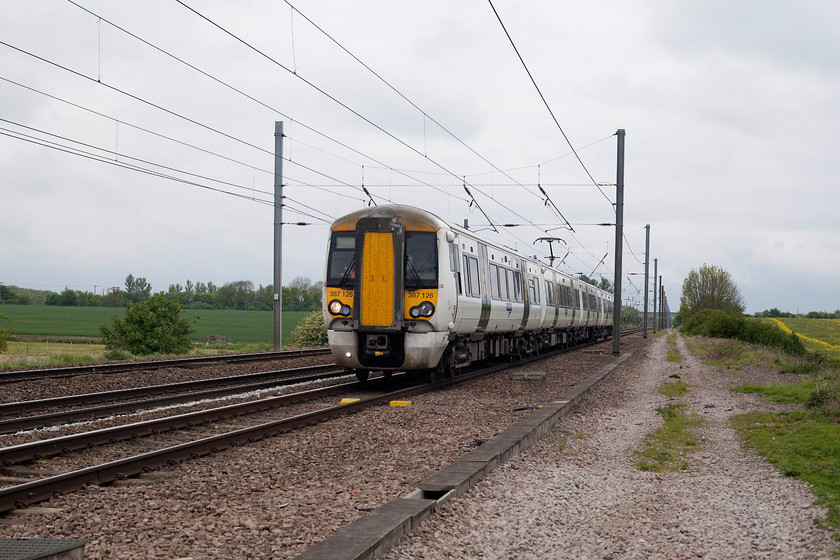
column 793, row 393
column 674, row 388
column 733, row 354
column 666, row 448
column 674, row 355
column 804, row 445
column 238, row 326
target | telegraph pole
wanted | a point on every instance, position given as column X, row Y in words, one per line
column 647, row 262
column 655, row 293
column 619, row 232
column 661, row 304
column 278, row 235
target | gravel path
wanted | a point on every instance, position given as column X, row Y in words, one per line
column 588, row 500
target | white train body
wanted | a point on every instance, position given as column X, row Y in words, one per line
column 405, row 290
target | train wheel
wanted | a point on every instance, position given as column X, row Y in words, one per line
column 362, row 375
column 447, row 363
column 432, row 374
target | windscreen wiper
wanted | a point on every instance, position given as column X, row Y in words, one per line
column 345, row 276
column 415, row 273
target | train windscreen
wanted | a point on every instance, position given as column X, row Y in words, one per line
column 421, row 260
column 341, row 268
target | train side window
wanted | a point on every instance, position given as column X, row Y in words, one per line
column 494, row 282
column 549, row 293
column 454, row 265
column 509, row 285
column 472, row 285
column 517, row 285
column 466, row 275
column 533, row 290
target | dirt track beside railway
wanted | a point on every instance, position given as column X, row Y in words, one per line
column 589, row 500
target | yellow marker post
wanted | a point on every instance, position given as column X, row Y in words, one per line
column 400, row 403
column 348, row 401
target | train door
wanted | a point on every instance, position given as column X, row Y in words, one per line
column 470, row 300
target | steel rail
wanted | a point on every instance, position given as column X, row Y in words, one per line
column 15, row 454
column 26, row 375
column 43, row 489
column 12, row 425
column 7, row 409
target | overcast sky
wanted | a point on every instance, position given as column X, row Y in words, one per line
column 730, row 109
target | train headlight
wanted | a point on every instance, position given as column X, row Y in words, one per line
column 337, row 308
column 425, row 309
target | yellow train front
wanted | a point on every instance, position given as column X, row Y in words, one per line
column 386, row 304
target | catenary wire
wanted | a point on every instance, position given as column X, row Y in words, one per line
column 545, row 102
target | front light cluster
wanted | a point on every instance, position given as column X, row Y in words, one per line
column 338, row 308
column 425, row 309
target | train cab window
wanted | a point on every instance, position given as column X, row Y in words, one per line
column 421, row 260
column 341, row 267
column 472, row 286
column 494, row 282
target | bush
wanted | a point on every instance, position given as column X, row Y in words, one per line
column 152, row 326
column 5, row 333
column 310, row 332
column 718, row 324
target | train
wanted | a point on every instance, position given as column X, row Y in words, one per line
column 405, row 290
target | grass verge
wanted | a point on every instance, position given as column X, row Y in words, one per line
column 802, row 444
column 674, row 388
column 666, row 448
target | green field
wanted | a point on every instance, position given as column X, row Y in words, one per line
column 238, row 326
column 819, row 335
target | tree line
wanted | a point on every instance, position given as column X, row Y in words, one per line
column 810, row 315
column 301, row 294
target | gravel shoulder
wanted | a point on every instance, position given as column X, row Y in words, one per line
column 577, row 493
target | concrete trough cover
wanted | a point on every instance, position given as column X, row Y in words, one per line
column 42, row 549
column 527, row 375
column 374, row 534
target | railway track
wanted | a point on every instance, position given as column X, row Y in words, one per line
column 149, row 397
column 192, row 362
column 35, row 491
